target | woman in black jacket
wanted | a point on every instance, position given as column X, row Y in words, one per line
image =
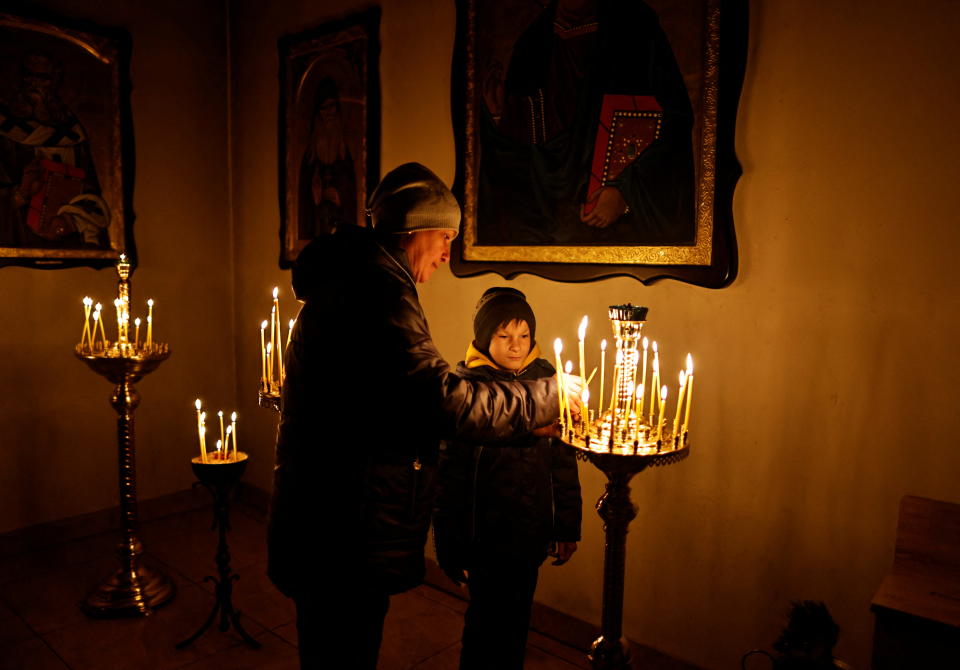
column 501, row 511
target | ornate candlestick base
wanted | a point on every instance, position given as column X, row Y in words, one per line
column 608, row 651
column 134, row 589
column 220, row 478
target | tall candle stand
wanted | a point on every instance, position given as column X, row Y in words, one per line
column 621, row 443
column 221, row 478
column 133, row 589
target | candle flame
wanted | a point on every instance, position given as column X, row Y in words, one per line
column 263, row 325
column 149, row 319
column 689, row 364
column 276, row 292
column 656, row 365
column 220, row 414
column 585, row 396
column 219, row 445
column 203, row 416
column 663, row 393
column 229, row 429
column 116, row 303
column 149, row 302
column 683, row 378
column 568, row 368
column 273, row 310
column 291, row 324
column 603, row 345
column 99, row 307
column 654, row 346
column 557, row 346
column 136, row 322
column 269, row 347
column 87, row 301
column 96, row 315
column 197, row 404
column 233, row 416
column 582, row 331
column 646, row 343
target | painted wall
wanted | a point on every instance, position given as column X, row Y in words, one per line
column 826, row 372
column 57, row 429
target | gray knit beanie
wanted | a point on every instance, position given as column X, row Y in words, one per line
column 411, row 198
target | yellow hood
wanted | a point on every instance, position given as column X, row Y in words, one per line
column 476, row 358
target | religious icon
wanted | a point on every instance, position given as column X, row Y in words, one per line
column 62, row 121
column 589, row 136
column 329, row 107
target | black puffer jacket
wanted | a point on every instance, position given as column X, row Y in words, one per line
column 366, row 401
column 505, row 503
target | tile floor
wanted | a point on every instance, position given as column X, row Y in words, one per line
column 42, row 627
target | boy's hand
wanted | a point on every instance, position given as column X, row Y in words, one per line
column 572, row 383
column 562, row 551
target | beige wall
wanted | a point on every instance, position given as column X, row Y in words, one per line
column 826, row 372
column 57, row 429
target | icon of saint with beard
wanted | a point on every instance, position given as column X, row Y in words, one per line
column 328, row 182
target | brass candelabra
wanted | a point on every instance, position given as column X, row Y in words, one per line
column 621, row 442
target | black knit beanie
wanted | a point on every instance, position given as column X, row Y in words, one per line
column 499, row 305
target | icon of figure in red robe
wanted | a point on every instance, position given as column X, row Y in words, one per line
column 49, row 193
column 592, row 87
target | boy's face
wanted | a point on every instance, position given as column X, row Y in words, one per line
column 510, row 345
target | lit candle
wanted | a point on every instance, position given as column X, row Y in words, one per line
column 222, row 436
column 585, row 410
column 272, row 347
column 87, row 306
column 269, row 364
column 638, row 403
column 581, row 333
column 568, row 368
column 676, row 417
column 233, row 426
column 203, row 451
column 226, row 445
column 557, row 350
column 656, row 369
column 136, row 339
column 603, row 365
column 643, row 376
column 203, row 432
column 289, row 331
column 263, row 353
column 116, row 305
column 149, row 341
column 98, row 319
column 275, row 317
column 653, row 391
column 686, row 416
column 219, row 452
column 663, row 403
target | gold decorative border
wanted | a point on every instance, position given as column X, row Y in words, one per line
column 700, row 253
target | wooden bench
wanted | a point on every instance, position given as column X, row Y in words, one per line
column 917, row 607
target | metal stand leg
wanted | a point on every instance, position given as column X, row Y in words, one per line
column 224, row 585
